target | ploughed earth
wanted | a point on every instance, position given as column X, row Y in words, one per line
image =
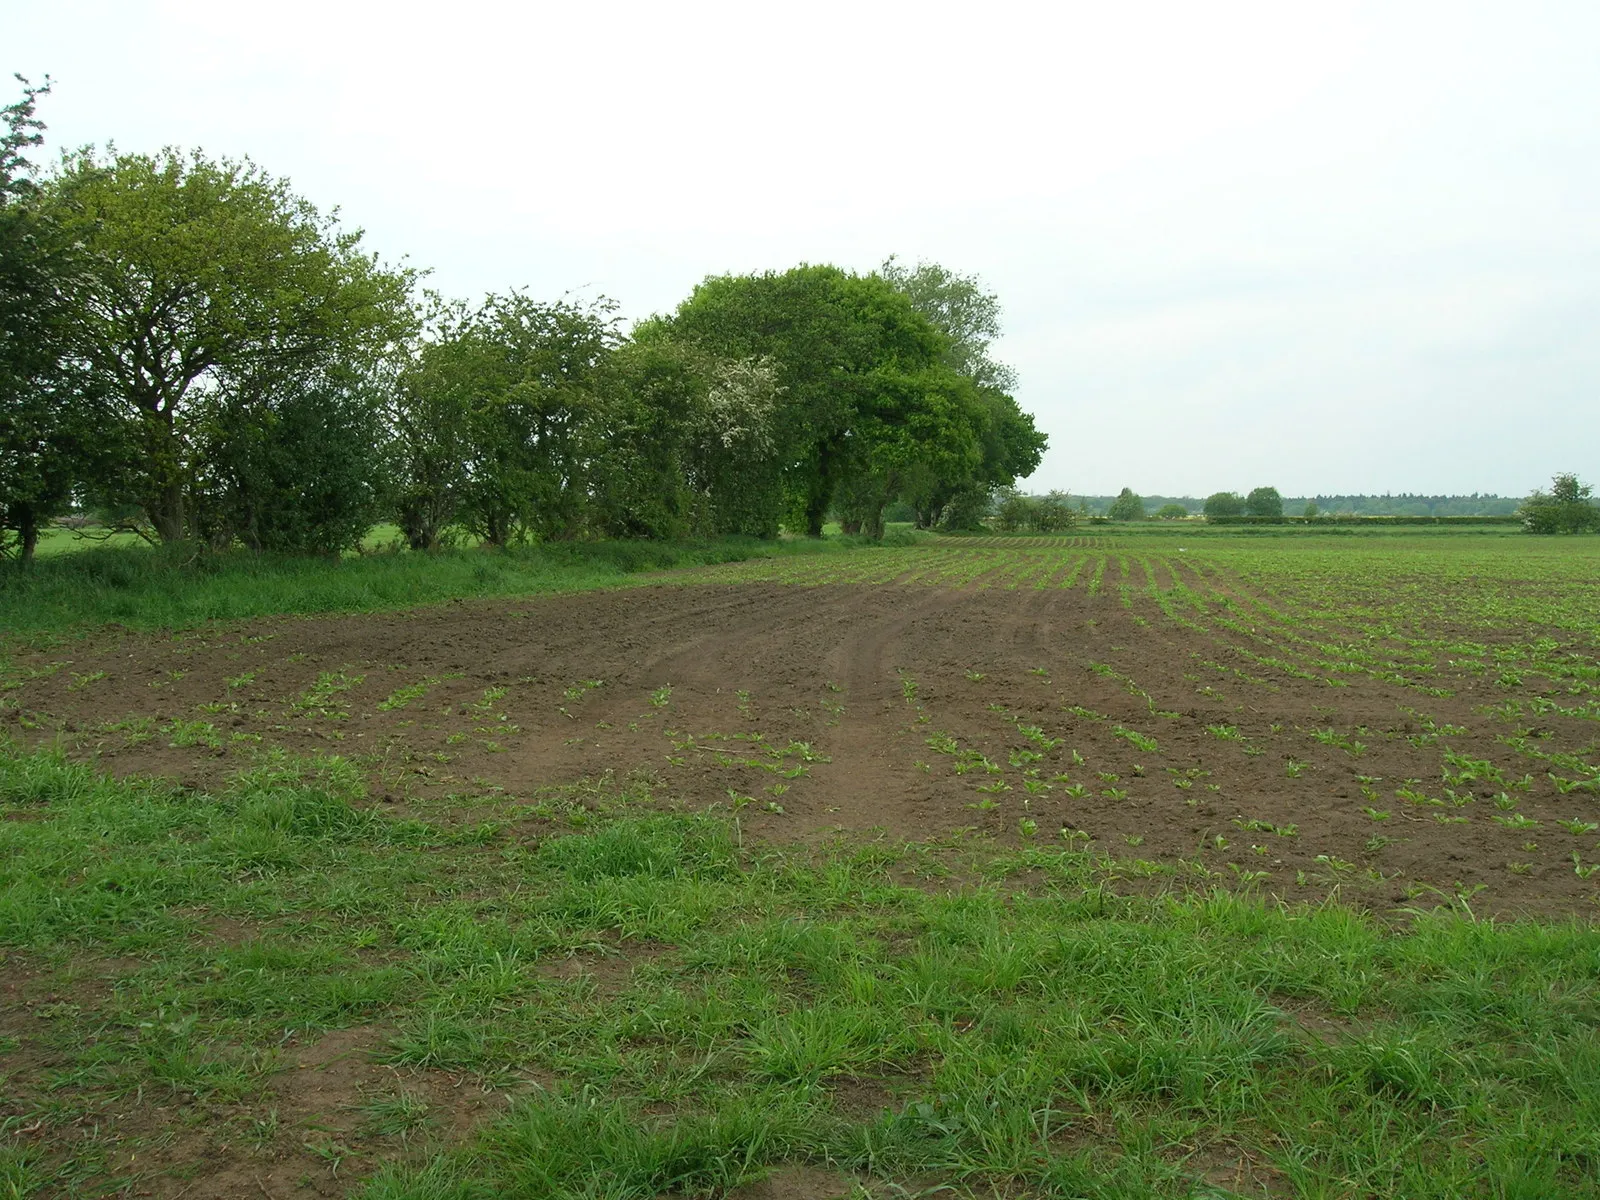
column 900, row 711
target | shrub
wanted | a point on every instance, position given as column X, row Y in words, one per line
column 1566, row 508
column 1224, row 504
column 1054, row 513
column 1014, row 511
column 1264, row 502
column 1128, row 506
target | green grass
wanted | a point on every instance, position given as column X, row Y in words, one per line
column 175, row 588
column 940, row 1015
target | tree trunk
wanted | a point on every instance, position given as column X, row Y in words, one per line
column 166, row 514
column 28, row 530
column 850, row 526
column 821, row 497
column 165, row 503
column 873, row 525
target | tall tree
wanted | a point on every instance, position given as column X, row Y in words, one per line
column 1224, row 504
column 926, row 425
column 1264, row 502
column 45, row 426
column 518, row 379
column 686, row 442
column 1128, row 506
column 958, row 306
column 196, row 275
column 841, row 345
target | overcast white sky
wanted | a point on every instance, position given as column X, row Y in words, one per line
column 1329, row 247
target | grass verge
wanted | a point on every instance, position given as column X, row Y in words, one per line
column 174, row 588
column 647, row 1004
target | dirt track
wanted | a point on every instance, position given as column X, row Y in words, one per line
column 851, row 708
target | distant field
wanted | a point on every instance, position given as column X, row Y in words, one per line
column 1089, row 866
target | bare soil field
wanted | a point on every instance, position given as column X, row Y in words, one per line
column 986, row 902
column 1207, row 744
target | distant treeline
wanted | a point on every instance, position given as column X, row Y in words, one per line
column 1402, row 504
column 1368, row 519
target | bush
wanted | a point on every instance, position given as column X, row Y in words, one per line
column 1566, row 508
column 1171, row 512
column 1264, row 502
column 1223, row 504
column 1013, row 512
column 1054, row 513
column 1035, row 514
column 968, row 509
column 1128, row 506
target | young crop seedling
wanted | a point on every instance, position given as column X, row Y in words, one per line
column 403, row 696
column 1515, row 821
column 321, row 698
column 1136, row 739
column 1037, row 736
column 908, row 688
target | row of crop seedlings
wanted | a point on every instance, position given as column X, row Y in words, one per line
column 1039, row 572
column 1576, row 773
column 1268, row 627
column 1293, row 651
column 957, row 570
column 1517, row 666
column 1575, row 673
column 1021, row 541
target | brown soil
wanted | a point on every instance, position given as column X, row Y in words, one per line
column 860, row 685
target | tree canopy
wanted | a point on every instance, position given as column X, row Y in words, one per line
column 969, row 317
